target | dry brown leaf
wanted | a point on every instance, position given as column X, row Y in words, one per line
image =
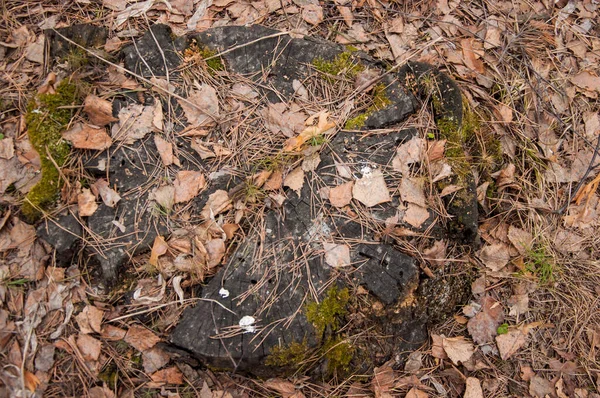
column 170, row 375
column 90, row 347
column 283, row 387
column 31, row 381
column 436, row 254
column 188, row 184
column 458, row 349
column 511, row 342
column 470, row 57
column 109, row 196
column 383, row 380
column 230, row 230
column 483, row 326
column 495, row 256
column 90, row 319
column 135, row 121
column 85, row 136
column 7, row 148
column 312, row 13
column 216, row 250
column 371, row 189
column 591, row 121
column 343, row 7
column 473, row 388
column 408, row 153
column 141, row 338
column 98, row 110
column 278, row 119
column 164, row 196
column 274, row 182
column 217, row 203
column 295, row 180
column 323, row 127
column 437, row 349
column 336, row 255
column 518, row 304
column 311, row 162
column 540, row 387
column 520, row 239
column 113, row 333
column 205, row 108
column 416, row 393
column 165, row 150
column 414, row 363
column 505, row 112
column 493, row 38
column 415, row 215
column 450, row 189
column 86, row 203
column 134, row 10
column 159, row 248
column 586, row 81
column 154, row 359
column 411, row 191
column 100, row 392
column 203, row 151
column 341, row 195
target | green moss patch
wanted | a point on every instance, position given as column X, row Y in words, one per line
column 380, row 101
column 342, row 65
column 47, row 116
column 213, row 63
column 325, row 315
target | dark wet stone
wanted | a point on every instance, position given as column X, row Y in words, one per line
column 86, row 35
column 153, row 52
column 64, row 234
column 387, row 273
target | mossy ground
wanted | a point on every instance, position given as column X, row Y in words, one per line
column 379, row 101
column 213, row 64
column 333, row 348
column 47, row 116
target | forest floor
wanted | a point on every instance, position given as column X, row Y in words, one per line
column 530, row 71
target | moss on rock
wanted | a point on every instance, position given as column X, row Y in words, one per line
column 47, row 116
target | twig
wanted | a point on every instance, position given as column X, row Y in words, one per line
column 165, row 305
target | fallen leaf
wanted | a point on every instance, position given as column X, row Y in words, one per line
column 188, row 184
column 295, row 180
column 134, row 10
column 505, row 112
column 518, row 304
column 35, row 51
column 100, row 392
column 141, row 338
column 323, row 127
column 90, row 347
column 170, row 375
column 336, row 255
column 408, row 153
column 311, row 162
column 274, row 182
column 414, row 362
column 86, row 203
column 279, row 119
column 415, row 215
column 135, row 121
column 217, row 203
column 159, row 248
column 312, row 13
column 509, row 343
column 436, row 150
column 411, row 191
column 164, row 196
column 540, row 387
column 283, row 387
column 442, row 170
column 216, row 250
column 586, row 81
column 31, row 381
column 343, row 7
column 383, row 381
column 437, row 349
column 165, row 150
column 473, row 388
column 154, row 359
column 202, row 150
column 109, row 196
column 341, row 195
column 7, row 148
column 493, row 38
column 113, row 333
column 470, row 57
column 90, row 319
column 371, row 189
column 483, row 326
column 495, row 256
column 591, row 121
column 85, row 136
column 98, row 110
column 520, row 239
column 202, row 106
column 458, row 349
column 436, row 254
column 416, row 393
column 44, row 360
